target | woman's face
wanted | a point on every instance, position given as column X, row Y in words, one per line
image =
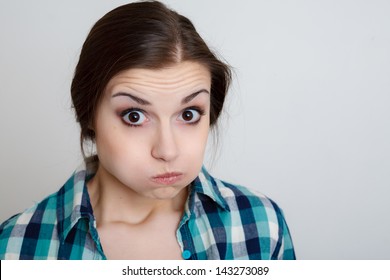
column 152, row 126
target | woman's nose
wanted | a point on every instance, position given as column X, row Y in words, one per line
column 165, row 145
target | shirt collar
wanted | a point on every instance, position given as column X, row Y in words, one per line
column 73, row 202
column 207, row 185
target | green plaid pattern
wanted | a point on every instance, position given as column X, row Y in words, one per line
column 220, row 221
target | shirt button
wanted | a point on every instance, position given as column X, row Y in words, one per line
column 186, row 254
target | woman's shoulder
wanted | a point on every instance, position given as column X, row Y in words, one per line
column 48, row 204
column 58, row 205
column 243, row 197
column 248, row 211
column 41, row 212
column 26, row 226
column 236, row 197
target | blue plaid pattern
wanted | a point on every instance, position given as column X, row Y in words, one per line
column 220, row 221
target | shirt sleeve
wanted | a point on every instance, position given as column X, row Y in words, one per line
column 286, row 249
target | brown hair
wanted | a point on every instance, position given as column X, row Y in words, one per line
column 140, row 35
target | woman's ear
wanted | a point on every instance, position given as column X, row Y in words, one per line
column 91, row 132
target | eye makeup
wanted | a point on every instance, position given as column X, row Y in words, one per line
column 133, row 117
column 198, row 110
column 136, row 117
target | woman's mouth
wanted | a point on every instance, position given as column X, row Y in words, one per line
column 167, row 178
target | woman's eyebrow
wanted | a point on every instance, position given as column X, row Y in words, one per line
column 144, row 102
column 193, row 95
column 135, row 98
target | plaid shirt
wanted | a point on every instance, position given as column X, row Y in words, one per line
column 220, row 221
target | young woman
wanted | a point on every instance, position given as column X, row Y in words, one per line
column 146, row 92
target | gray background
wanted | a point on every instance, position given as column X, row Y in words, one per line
column 307, row 120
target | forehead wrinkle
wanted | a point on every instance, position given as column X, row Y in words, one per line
column 151, row 86
column 168, row 86
column 180, row 76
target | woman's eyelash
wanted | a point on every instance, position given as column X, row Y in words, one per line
column 124, row 112
column 196, row 108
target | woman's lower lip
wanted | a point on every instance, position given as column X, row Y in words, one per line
column 167, row 180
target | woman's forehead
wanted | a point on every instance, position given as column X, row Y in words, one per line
column 177, row 77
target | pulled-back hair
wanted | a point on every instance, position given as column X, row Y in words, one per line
column 140, row 35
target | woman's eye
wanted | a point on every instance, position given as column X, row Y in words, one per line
column 133, row 117
column 190, row 116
